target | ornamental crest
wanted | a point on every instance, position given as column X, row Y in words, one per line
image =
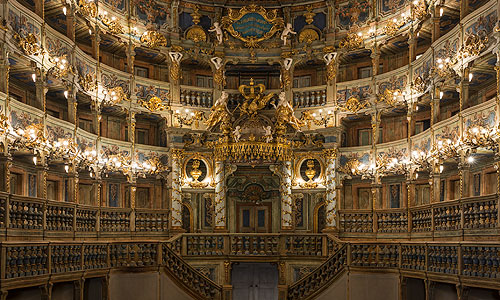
column 252, row 24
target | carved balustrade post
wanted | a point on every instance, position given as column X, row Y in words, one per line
column 227, row 288
column 176, row 193
column 331, row 206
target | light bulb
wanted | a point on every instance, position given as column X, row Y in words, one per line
column 34, row 160
column 470, row 159
column 441, row 94
column 66, row 168
column 90, row 31
column 441, row 168
column 66, row 94
column 470, row 76
column 416, row 175
column 64, row 10
column 441, row 11
column 33, row 76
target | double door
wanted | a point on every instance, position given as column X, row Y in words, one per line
column 254, row 218
column 255, row 281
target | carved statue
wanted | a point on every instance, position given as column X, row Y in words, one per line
column 175, row 69
column 268, row 135
column 219, row 77
column 218, row 31
column 285, row 115
column 237, row 134
column 288, row 30
column 330, row 66
column 220, row 114
column 217, row 61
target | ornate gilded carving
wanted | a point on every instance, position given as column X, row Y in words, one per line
column 254, row 101
column 29, row 44
column 196, row 34
column 175, row 66
column 351, row 41
column 330, row 60
column 153, row 39
column 220, row 114
column 269, row 19
column 389, row 96
column 309, row 15
column 353, row 105
column 88, row 8
column 196, row 15
column 87, row 82
column 473, row 45
column 308, row 36
column 154, row 104
column 285, row 115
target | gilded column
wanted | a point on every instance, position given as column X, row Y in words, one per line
column 176, row 195
column 331, row 190
column 286, row 196
column 220, row 196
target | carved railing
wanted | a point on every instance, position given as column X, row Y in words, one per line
column 199, row 97
column 253, row 244
column 19, row 213
column 28, row 261
column 321, row 277
column 309, row 97
column 188, row 276
column 468, row 215
column 469, row 261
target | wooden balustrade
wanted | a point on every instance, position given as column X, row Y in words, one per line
column 467, row 214
column 19, row 213
column 309, row 97
column 469, row 261
column 266, row 244
column 32, row 261
column 198, row 97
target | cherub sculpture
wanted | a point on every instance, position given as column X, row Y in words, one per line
column 285, row 114
column 268, row 135
column 288, row 30
column 237, row 134
column 218, row 31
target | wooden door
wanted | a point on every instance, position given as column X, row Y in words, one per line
column 254, row 218
column 255, row 281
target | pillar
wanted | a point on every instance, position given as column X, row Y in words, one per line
column 176, row 193
column 5, row 165
column 464, row 169
column 412, row 44
column 70, row 22
column 464, row 8
column 46, row 291
column 375, row 56
column 435, row 105
column 175, row 76
column 435, row 29
column 72, row 106
column 331, row 190
column 286, row 196
column 220, row 196
column 78, row 291
column 41, row 176
column 4, row 69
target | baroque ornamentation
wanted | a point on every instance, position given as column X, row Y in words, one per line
column 154, row 104
column 254, row 101
column 308, row 36
column 29, row 44
column 252, row 24
column 351, row 41
column 153, row 39
column 353, row 105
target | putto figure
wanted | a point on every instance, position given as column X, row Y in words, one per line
column 285, row 115
column 288, row 30
column 218, row 32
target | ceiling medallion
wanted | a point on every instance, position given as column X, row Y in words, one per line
column 252, row 24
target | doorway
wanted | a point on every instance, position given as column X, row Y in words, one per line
column 255, row 281
column 253, row 217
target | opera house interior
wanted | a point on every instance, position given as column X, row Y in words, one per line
column 230, row 149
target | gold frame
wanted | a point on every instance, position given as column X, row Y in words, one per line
column 300, row 158
column 206, row 161
column 270, row 16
